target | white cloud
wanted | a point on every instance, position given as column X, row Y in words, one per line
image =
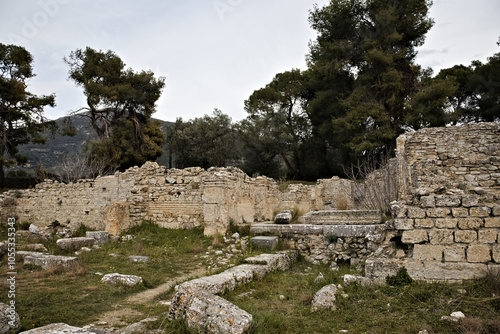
column 212, row 57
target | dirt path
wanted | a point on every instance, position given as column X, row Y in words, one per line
column 122, row 314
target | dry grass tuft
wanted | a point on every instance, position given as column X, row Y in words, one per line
column 79, row 270
column 342, row 203
column 218, row 241
column 472, row 326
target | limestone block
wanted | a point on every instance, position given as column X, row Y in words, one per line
column 428, row 252
column 441, row 237
column 496, row 211
column 469, row 201
column 140, row 259
column 492, row 222
column 488, row 236
column 356, row 279
column 479, row 254
column 465, row 236
column 424, row 223
column 100, row 237
column 324, row 299
column 46, row 261
column 115, row 278
column 61, row 328
column 438, row 212
column 206, row 311
column 447, row 201
column 350, row 231
column 446, row 222
column 470, row 223
column 118, row 218
column 281, row 260
column 73, row 244
column 427, row 201
column 304, row 229
column 378, row 269
column 265, row 242
column 496, row 253
column 9, row 319
column 414, row 237
column 415, row 212
column 398, row 210
column 403, row 224
column 460, row 212
column 455, row 253
column 481, row 211
column 216, row 284
column 438, row 271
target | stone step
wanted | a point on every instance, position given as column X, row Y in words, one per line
column 341, row 231
column 342, row 217
column 265, row 242
column 47, row 261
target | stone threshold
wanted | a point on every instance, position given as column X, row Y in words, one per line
column 341, row 231
column 198, row 301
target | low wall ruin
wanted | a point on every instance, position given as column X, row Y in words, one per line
column 172, row 198
column 447, row 222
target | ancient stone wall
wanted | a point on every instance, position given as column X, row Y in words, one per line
column 447, row 222
column 172, row 198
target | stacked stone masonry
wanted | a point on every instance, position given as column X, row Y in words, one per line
column 446, row 222
column 172, row 198
column 448, row 217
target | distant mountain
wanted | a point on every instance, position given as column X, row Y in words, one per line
column 58, row 146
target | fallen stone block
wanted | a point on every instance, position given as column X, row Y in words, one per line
column 281, row 260
column 115, row 278
column 355, row 279
column 265, row 242
column 324, row 299
column 9, row 319
column 216, row 284
column 73, row 244
column 46, row 261
column 142, row 259
column 100, row 237
column 61, row 328
column 284, row 217
column 205, row 311
column 138, row 327
column 34, row 229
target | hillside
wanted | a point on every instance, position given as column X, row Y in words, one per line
column 58, row 146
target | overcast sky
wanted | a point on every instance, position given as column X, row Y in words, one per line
column 213, row 53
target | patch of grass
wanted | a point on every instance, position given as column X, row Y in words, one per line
column 218, row 241
column 401, row 278
column 242, row 230
column 81, row 231
column 373, row 309
column 78, row 297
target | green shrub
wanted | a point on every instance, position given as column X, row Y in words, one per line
column 401, row 278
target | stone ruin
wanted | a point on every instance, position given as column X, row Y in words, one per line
column 445, row 224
